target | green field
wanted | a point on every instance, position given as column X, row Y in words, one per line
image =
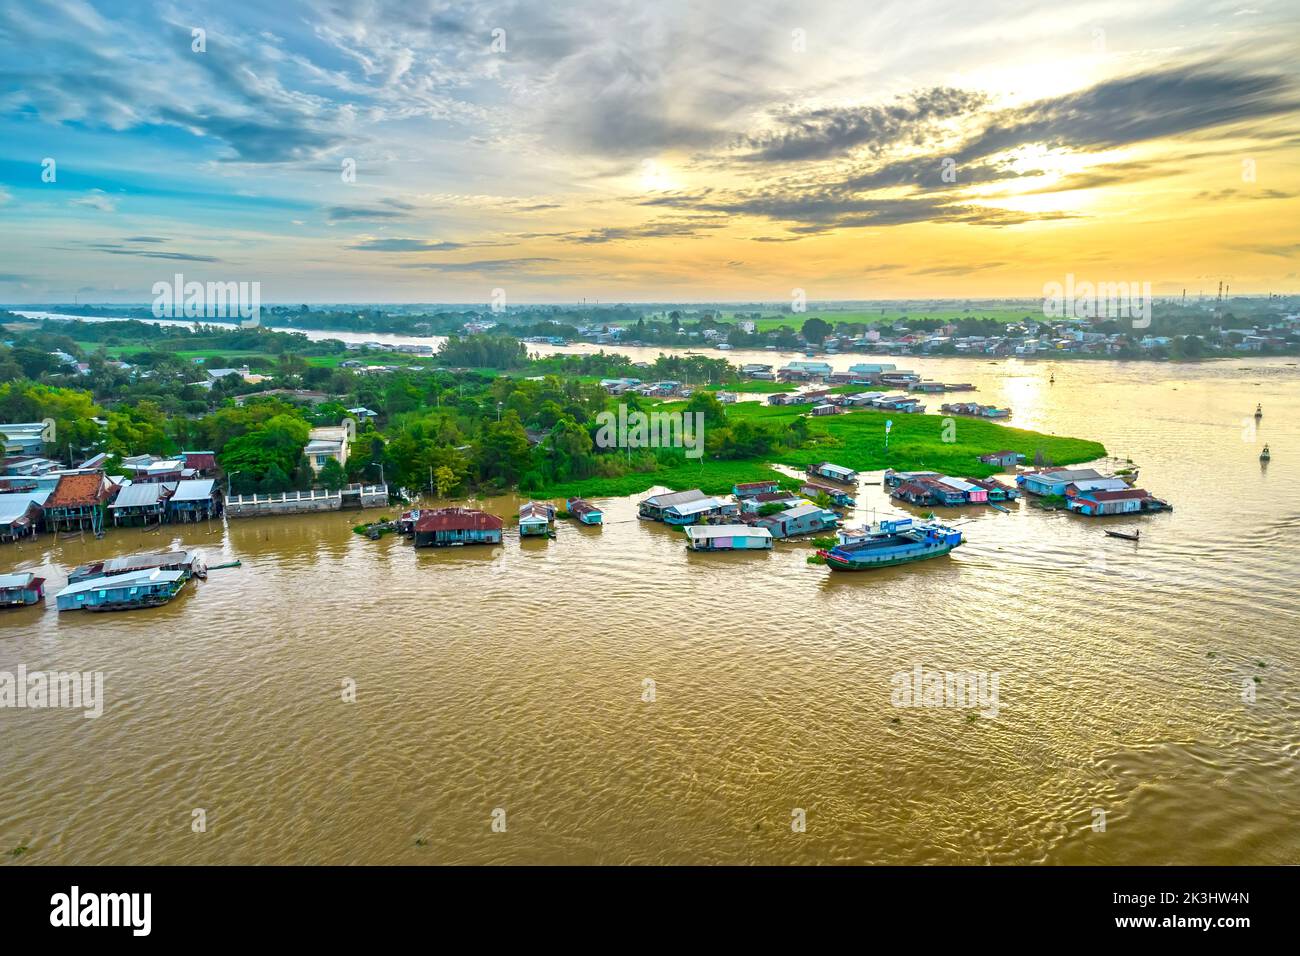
column 856, row 440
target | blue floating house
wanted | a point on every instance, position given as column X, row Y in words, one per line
column 535, row 519
column 122, row 592
column 17, row 590
column 584, row 511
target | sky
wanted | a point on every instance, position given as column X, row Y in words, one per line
column 676, row 151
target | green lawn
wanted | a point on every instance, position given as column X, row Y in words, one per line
column 855, row 440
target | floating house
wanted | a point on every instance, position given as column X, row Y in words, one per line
column 824, row 469
column 895, row 478
column 975, row 410
column 20, row 513
column 19, row 590
column 654, row 506
column 928, row 491
column 751, row 488
column 838, row 496
column 1095, row 484
column 122, row 592
column 78, row 502
column 451, row 527
column 1003, row 459
column 995, row 489
column 758, row 502
column 971, row 492
column 700, row 510
column 1129, row 501
column 1054, row 481
column 188, row 563
column 804, row 519
column 584, row 511
column 535, row 519
column 728, row 537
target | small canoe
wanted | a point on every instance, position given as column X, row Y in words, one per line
column 1126, row 535
column 997, row 507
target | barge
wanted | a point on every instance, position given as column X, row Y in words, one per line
column 889, row 543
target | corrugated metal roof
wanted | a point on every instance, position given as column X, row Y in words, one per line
column 695, row 532
column 695, row 507
column 16, row 580
column 138, row 495
column 457, row 519
column 15, row 504
column 669, row 499
column 197, row 489
column 151, row 576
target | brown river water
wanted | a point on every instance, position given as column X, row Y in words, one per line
column 513, row 679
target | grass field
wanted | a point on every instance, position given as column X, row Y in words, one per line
column 856, row 440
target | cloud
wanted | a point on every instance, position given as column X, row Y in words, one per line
column 482, row 266
column 675, row 229
column 353, row 213
column 828, row 132
column 405, row 245
column 96, row 199
column 116, row 249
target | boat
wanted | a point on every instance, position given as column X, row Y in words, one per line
column 1126, row 535
column 1259, row 412
column 997, row 507
column 1265, row 455
column 890, row 543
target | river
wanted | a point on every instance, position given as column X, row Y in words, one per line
column 514, row 678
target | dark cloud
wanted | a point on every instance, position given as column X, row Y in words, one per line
column 675, row 229
column 362, row 213
column 823, row 133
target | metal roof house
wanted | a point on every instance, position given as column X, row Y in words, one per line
column 584, row 511
column 196, row 499
column 825, row 469
column 973, row 493
column 143, row 502
column 186, row 562
column 20, row 513
column 804, row 519
column 839, row 496
column 1004, row 459
column 130, row 591
column 654, row 506
column 535, row 518
column 1053, row 482
column 692, row 511
column 18, row 590
column 22, row 438
column 750, row 488
column 728, row 537
column 451, row 527
column 1097, row 503
column 758, row 502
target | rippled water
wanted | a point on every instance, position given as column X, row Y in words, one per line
column 513, row 678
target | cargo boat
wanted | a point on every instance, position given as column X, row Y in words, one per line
column 889, row 543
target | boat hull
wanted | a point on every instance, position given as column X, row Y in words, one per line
column 886, row 561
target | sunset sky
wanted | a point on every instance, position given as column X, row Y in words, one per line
column 634, row 151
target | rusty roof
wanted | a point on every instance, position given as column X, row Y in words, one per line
column 77, row 490
column 457, row 519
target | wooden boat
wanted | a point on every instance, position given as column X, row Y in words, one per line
column 1265, row 455
column 997, row 507
column 1259, row 412
column 1126, row 535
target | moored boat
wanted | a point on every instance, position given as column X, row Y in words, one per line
column 890, row 543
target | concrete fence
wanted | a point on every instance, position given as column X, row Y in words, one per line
column 302, row 502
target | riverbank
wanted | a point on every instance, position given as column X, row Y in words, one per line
column 855, row 439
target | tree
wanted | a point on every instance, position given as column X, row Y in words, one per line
column 815, row 329
column 444, row 481
column 331, row 476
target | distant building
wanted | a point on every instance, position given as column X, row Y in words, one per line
column 324, row 444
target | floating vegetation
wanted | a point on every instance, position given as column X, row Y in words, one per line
column 825, row 542
column 19, row 850
column 815, row 559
